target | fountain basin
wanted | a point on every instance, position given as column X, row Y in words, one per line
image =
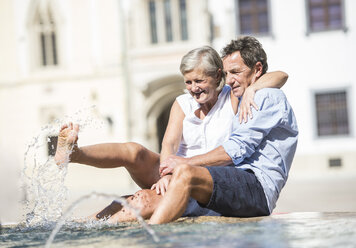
column 304, row 229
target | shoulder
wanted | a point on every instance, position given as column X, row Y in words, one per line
column 270, row 92
column 185, row 100
column 187, row 103
column 176, row 109
column 270, row 96
column 183, row 97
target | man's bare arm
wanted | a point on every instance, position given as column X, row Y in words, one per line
column 216, row 157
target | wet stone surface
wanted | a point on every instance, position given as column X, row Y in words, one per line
column 279, row 230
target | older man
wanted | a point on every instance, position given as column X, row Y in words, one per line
column 244, row 176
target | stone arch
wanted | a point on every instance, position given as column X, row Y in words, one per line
column 160, row 94
column 42, row 6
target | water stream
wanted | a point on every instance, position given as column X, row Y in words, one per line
column 44, row 185
column 108, row 196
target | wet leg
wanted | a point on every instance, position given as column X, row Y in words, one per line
column 141, row 163
column 108, row 211
column 146, row 201
column 187, row 181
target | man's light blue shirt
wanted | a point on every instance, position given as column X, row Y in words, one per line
column 266, row 144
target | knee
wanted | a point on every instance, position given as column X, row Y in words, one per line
column 183, row 174
column 142, row 199
column 135, row 150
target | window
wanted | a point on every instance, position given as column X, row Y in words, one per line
column 253, row 16
column 168, row 20
column 332, row 113
column 325, row 15
column 46, row 38
column 335, row 162
column 153, row 22
column 183, row 20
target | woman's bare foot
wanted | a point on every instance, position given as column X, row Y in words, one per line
column 145, row 200
column 67, row 139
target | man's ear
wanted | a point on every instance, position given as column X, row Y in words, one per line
column 258, row 69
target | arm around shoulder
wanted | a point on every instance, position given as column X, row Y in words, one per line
column 275, row 79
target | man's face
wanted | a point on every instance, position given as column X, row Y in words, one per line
column 238, row 75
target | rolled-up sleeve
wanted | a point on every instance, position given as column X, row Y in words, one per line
column 246, row 137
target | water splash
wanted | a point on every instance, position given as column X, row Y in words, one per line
column 121, row 200
column 44, row 185
column 43, row 181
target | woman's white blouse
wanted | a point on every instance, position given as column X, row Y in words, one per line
column 201, row 136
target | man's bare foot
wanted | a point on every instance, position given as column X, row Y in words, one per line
column 67, row 139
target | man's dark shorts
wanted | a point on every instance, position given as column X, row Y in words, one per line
column 236, row 193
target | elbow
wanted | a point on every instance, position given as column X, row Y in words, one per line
column 284, row 77
column 170, row 146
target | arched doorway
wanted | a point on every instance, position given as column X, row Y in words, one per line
column 160, row 95
column 162, row 122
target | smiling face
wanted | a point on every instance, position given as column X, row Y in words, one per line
column 201, row 87
column 238, row 75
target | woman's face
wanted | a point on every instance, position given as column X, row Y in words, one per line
column 201, row 86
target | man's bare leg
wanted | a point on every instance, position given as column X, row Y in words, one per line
column 187, row 181
column 141, row 163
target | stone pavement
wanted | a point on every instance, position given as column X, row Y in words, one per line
column 323, row 193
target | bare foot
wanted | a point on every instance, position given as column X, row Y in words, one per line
column 109, row 211
column 124, row 215
column 67, row 139
column 145, row 200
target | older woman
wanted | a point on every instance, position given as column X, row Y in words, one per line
column 199, row 122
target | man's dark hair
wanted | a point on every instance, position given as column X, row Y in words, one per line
column 250, row 49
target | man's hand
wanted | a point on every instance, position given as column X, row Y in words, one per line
column 246, row 104
column 162, row 185
column 168, row 165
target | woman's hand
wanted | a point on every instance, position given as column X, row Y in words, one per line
column 247, row 103
column 268, row 80
column 167, row 166
column 162, row 185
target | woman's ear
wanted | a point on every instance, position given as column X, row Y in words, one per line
column 218, row 76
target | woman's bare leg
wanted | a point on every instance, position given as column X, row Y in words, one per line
column 141, row 163
column 144, row 200
column 108, row 211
